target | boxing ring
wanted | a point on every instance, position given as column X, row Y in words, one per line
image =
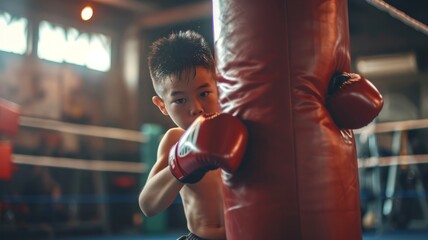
column 88, row 187
column 374, row 163
column 299, row 179
column 386, row 197
column 85, row 130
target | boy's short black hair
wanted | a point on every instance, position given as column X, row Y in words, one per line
column 182, row 51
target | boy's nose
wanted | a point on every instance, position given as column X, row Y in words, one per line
column 196, row 109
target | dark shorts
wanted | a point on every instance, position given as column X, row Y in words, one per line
column 190, row 236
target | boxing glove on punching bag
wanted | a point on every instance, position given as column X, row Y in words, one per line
column 353, row 101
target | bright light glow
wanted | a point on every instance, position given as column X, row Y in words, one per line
column 98, row 57
column 52, row 43
column 131, row 62
column 87, row 13
column 78, row 47
column 13, row 33
column 59, row 44
column 216, row 15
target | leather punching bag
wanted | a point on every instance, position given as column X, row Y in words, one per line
column 299, row 177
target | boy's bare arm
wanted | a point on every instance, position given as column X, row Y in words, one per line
column 161, row 187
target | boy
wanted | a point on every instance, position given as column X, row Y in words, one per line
column 183, row 75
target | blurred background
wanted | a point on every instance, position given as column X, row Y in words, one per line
column 88, row 131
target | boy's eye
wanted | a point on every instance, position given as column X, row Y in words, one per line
column 204, row 94
column 179, row 101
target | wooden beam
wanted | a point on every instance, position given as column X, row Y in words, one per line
column 176, row 15
column 130, row 5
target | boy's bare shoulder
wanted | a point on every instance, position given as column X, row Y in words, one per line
column 170, row 138
column 174, row 132
column 173, row 135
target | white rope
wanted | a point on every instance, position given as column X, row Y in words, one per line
column 104, row 132
column 129, row 135
column 390, row 161
column 393, row 126
column 394, row 12
column 81, row 164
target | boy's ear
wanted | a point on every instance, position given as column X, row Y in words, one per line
column 160, row 104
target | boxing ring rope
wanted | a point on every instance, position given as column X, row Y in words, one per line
column 386, row 191
column 74, row 199
column 80, row 129
column 82, row 164
column 133, row 167
column 390, row 161
column 392, row 127
column 394, row 12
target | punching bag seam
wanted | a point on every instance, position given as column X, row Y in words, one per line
column 287, row 61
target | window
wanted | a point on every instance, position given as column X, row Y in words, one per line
column 13, row 33
column 60, row 44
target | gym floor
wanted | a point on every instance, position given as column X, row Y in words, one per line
column 394, row 235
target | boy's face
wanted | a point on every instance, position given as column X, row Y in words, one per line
column 185, row 99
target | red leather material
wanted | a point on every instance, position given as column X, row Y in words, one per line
column 215, row 140
column 299, row 176
column 9, row 117
column 355, row 104
column 6, row 165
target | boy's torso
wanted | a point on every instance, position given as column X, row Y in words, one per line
column 203, row 206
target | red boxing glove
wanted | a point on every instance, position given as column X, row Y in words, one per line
column 353, row 101
column 9, row 117
column 212, row 141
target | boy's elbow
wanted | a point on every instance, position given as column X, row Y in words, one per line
column 147, row 212
column 145, row 208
